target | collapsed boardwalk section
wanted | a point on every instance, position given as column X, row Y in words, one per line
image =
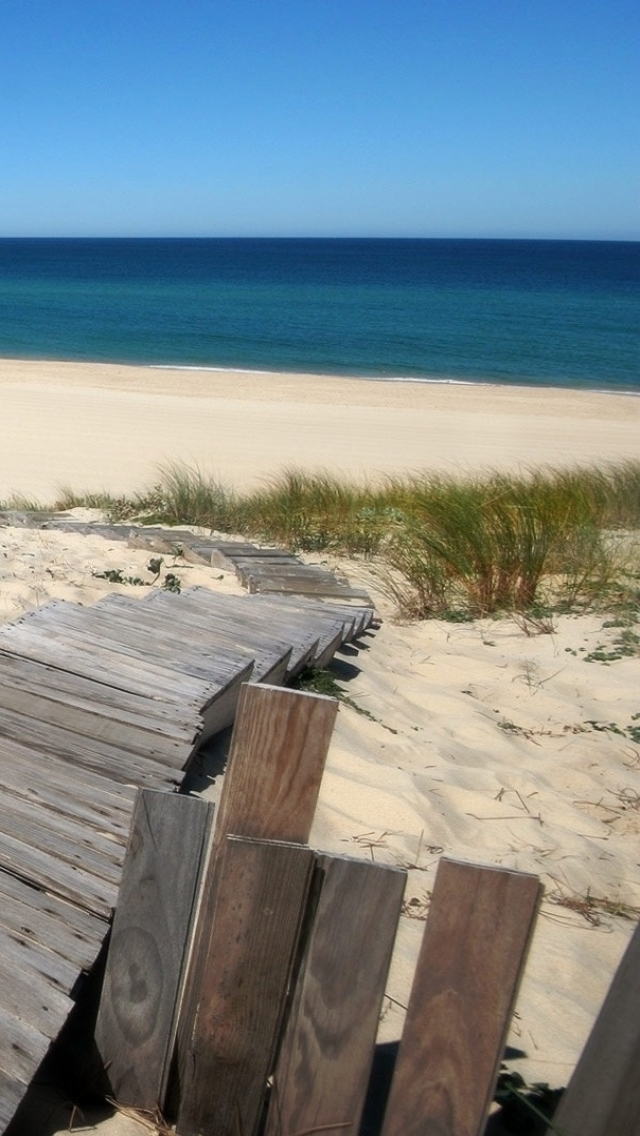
column 96, row 703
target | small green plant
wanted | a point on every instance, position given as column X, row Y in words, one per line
column 527, row 1109
column 116, row 576
column 318, row 680
column 171, row 583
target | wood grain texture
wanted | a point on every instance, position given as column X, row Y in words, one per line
column 603, row 1097
column 323, row 1068
column 261, row 893
column 278, row 752
column 475, row 942
column 134, row 1031
column 270, row 790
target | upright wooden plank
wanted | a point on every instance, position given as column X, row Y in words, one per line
column 325, row 1060
column 475, row 942
column 278, row 752
column 134, row 1031
column 261, row 893
column 603, row 1097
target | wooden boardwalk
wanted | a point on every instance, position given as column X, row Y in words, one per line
column 96, row 702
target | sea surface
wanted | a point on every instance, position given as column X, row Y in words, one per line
column 554, row 313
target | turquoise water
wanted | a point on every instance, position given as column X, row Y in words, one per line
column 541, row 312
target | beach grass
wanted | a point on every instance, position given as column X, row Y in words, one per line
column 445, row 546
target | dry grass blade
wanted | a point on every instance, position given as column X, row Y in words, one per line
column 152, row 1120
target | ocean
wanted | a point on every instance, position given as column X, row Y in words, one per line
column 551, row 313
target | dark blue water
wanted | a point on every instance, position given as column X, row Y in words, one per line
column 558, row 313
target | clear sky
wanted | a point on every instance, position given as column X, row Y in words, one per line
column 506, row 118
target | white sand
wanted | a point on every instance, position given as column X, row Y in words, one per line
column 97, row 426
column 488, row 744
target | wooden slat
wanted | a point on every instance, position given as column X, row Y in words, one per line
column 278, row 752
column 262, row 889
column 476, row 938
column 95, row 754
column 28, row 674
column 134, row 1031
column 48, row 870
column 37, row 916
column 248, row 615
column 21, row 1050
column 603, row 1097
column 323, row 1068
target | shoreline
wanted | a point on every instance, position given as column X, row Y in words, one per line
column 531, row 383
column 107, row 426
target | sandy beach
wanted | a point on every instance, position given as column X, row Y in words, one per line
column 93, row 426
column 487, row 741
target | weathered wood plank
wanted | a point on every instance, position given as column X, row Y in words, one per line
column 277, row 757
column 59, row 683
column 34, row 915
column 121, row 765
column 86, row 692
column 278, row 751
column 261, row 892
column 11, row 1093
column 477, row 934
column 95, row 722
column 77, row 843
column 70, row 882
column 603, row 1097
column 28, row 994
column 76, row 655
column 323, row 1068
column 117, row 631
column 134, row 1031
column 21, row 1050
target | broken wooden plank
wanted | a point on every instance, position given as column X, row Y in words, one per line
column 250, row 946
column 603, row 1096
column 134, row 1031
column 476, row 938
column 323, row 1067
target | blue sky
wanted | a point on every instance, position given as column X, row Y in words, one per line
column 502, row 118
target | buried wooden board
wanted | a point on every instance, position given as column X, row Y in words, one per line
column 322, row 1073
column 603, row 1096
column 261, row 892
column 475, row 942
column 134, row 1031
